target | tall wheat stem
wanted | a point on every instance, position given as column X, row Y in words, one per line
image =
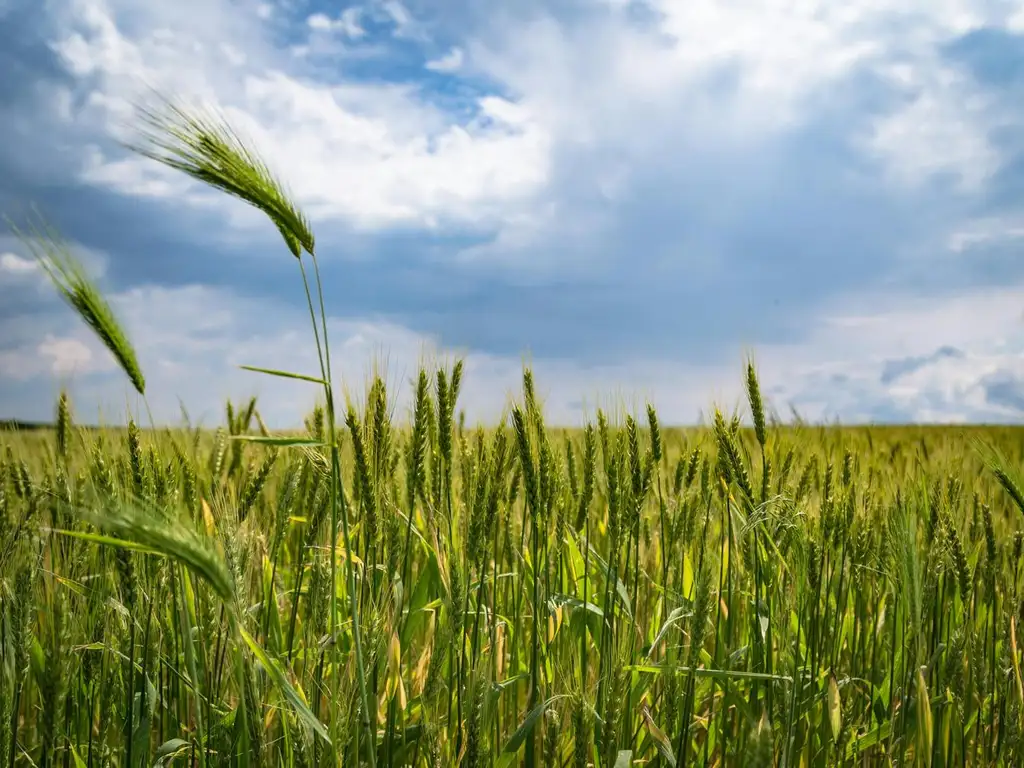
column 339, row 509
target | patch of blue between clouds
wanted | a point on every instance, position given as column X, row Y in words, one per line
column 1004, row 389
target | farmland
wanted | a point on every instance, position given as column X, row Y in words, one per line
column 613, row 595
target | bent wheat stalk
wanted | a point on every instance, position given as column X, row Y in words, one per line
column 206, row 148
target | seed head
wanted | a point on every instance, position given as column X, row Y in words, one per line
column 207, row 148
column 79, row 292
column 756, row 404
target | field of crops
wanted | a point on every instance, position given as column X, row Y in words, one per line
column 618, row 595
column 398, row 588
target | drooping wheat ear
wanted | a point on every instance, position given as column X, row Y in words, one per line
column 81, row 294
column 157, row 533
column 998, row 466
column 208, row 149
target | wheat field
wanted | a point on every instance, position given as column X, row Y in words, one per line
column 401, row 589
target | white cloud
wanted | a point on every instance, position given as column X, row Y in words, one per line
column 16, row 266
column 721, row 73
column 130, row 177
column 414, row 163
column 118, row 50
column 880, row 362
column 944, row 390
column 607, row 94
column 319, row 21
column 450, row 62
column 66, row 355
column 839, row 370
column 468, row 172
column 405, row 25
column 180, row 333
column 20, row 272
column 71, row 352
column 984, row 231
column 942, row 129
column 348, row 23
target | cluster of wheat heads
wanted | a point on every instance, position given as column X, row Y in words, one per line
column 366, row 592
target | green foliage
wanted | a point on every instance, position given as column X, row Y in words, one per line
column 876, row 640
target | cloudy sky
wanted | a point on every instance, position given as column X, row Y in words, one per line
column 630, row 195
